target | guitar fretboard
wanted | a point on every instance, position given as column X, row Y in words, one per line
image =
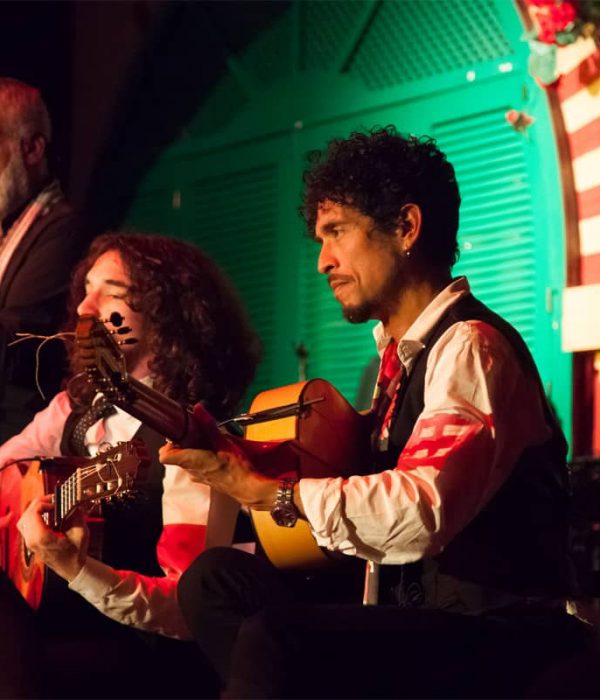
column 67, row 497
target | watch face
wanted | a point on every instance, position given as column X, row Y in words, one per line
column 284, row 514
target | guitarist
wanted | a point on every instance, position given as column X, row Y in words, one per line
column 192, row 343
column 463, row 502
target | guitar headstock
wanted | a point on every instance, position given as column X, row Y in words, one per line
column 116, row 472
column 101, row 358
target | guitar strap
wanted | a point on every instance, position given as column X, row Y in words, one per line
column 101, row 408
column 67, row 446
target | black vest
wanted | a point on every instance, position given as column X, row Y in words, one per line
column 518, row 544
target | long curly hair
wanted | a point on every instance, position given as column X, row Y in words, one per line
column 203, row 346
column 380, row 171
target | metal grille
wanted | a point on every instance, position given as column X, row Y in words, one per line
column 270, row 59
column 496, row 235
column 233, row 218
column 324, row 29
column 419, row 39
column 226, row 101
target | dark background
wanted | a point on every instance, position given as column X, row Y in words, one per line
column 121, row 79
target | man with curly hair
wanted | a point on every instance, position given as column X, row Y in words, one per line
column 463, row 503
column 193, row 343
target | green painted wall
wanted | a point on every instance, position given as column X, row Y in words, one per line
column 447, row 68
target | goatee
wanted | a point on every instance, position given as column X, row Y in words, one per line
column 359, row 314
column 386, row 296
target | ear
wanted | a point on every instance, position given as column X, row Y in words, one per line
column 409, row 226
column 33, row 150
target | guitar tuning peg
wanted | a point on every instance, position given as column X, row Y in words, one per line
column 122, row 330
column 128, row 341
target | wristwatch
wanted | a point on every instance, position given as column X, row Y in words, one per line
column 284, row 512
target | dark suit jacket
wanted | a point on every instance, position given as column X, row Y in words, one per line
column 33, row 295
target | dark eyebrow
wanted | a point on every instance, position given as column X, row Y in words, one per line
column 112, row 283
column 117, row 283
column 331, row 225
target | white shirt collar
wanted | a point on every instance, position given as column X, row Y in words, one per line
column 411, row 343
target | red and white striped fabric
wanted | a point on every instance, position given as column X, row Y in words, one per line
column 578, row 90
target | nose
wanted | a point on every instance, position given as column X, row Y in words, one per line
column 88, row 305
column 326, row 262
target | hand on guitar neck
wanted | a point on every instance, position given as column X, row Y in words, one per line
column 302, row 430
column 63, row 552
column 228, row 470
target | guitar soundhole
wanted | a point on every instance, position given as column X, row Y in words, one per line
column 27, row 555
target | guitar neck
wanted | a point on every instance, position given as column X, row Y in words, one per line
column 106, row 367
column 162, row 414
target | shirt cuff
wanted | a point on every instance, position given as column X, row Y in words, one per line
column 322, row 504
column 95, row 580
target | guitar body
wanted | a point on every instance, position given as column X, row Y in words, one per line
column 332, row 440
column 74, row 482
column 22, row 567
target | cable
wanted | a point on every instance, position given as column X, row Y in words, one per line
column 44, row 339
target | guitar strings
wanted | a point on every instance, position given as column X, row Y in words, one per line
column 82, row 473
column 88, row 471
column 45, row 339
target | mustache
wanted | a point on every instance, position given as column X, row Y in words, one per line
column 334, row 278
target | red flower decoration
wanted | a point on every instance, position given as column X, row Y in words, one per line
column 562, row 15
column 547, row 33
column 552, row 16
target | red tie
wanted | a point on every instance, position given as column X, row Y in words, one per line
column 390, row 374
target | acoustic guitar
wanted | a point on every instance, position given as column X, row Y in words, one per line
column 116, row 473
column 304, row 430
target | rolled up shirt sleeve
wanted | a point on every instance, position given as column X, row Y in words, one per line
column 150, row 602
column 42, row 436
column 480, row 412
column 144, row 602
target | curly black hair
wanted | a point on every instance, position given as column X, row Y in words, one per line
column 380, row 171
column 197, row 329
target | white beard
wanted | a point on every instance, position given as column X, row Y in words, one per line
column 14, row 184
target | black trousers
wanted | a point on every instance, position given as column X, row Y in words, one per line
column 20, row 656
column 266, row 640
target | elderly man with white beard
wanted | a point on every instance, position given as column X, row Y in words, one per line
column 40, row 242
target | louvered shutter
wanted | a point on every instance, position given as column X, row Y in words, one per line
column 496, row 234
column 448, row 68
